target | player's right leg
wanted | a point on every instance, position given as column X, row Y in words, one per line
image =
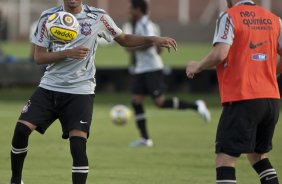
column 139, row 90
column 141, row 122
column 19, row 150
column 38, row 113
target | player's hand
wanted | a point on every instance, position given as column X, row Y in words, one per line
column 165, row 42
column 78, row 52
column 192, row 68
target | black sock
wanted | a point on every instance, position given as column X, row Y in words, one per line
column 266, row 172
column 225, row 175
column 140, row 120
column 80, row 162
column 19, row 151
column 178, row 104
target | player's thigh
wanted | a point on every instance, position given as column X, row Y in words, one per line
column 76, row 113
column 155, row 83
column 139, row 85
column 266, row 128
column 39, row 110
column 237, row 127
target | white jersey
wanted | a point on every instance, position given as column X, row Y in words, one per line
column 72, row 75
column 145, row 60
column 224, row 22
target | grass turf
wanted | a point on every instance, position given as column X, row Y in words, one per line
column 115, row 56
column 183, row 151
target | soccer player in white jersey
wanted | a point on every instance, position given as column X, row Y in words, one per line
column 66, row 91
column 147, row 70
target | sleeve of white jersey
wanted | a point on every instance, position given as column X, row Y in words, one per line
column 157, row 29
column 109, row 30
column 39, row 37
column 149, row 30
column 224, row 32
column 280, row 37
column 127, row 28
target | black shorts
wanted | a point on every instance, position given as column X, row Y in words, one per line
column 73, row 110
column 247, row 127
column 151, row 83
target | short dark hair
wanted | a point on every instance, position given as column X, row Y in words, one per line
column 141, row 4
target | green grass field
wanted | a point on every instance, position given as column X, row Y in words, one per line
column 183, row 152
column 115, row 56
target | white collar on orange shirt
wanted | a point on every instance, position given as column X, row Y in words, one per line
column 244, row 1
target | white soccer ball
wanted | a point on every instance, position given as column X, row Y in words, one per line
column 62, row 27
column 120, row 114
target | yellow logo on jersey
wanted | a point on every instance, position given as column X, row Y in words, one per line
column 63, row 34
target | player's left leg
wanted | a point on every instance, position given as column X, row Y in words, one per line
column 176, row 103
column 265, row 130
column 263, row 167
column 75, row 117
column 155, row 85
column 80, row 165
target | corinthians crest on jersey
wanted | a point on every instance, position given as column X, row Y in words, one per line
column 26, row 107
column 85, row 28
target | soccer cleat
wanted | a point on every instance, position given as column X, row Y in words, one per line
column 203, row 111
column 142, row 142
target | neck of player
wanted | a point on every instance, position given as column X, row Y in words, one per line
column 73, row 10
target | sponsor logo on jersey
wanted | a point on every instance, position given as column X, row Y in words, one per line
column 226, row 28
column 26, row 107
column 63, row 34
column 259, row 57
column 254, row 46
column 108, row 26
column 93, row 16
column 42, row 31
column 251, row 20
column 85, row 28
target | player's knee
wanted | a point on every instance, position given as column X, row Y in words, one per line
column 78, row 148
column 21, row 135
column 256, row 157
column 78, row 133
column 223, row 159
column 22, row 130
column 137, row 99
column 159, row 102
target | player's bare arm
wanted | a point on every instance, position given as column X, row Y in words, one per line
column 217, row 55
column 127, row 40
column 132, row 49
column 42, row 56
column 279, row 64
